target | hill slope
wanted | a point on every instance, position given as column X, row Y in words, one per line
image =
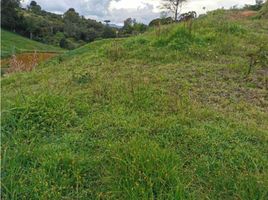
column 264, row 11
column 12, row 43
column 170, row 114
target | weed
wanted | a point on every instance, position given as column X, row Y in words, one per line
column 115, row 51
column 231, row 28
column 82, row 77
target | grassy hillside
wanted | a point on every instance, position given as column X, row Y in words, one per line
column 12, row 43
column 170, row 114
column 264, row 11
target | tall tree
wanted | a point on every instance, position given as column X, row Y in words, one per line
column 34, row 7
column 71, row 23
column 128, row 25
column 71, row 16
column 9, row 13
column 173, row 6
column 32, row 25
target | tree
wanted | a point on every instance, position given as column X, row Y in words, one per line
column 63, row 43
column 34, row 7
column 71, row 22
column 259, row 2
column 9, row 14
column 173, row 6
column 139, row 28
column 109, row 33
column 107, row 22
column 32, row 25
column 128, row 25
column 71, row 16
column 256, row 7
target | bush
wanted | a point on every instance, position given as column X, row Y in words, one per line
column 67, row 44
column 181, row 39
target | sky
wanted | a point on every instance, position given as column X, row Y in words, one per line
column 119, row 10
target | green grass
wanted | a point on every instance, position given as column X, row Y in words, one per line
column 164, row 115
column 263, row 13
column 12, row 43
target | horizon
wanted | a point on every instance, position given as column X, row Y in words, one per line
column 118, row 10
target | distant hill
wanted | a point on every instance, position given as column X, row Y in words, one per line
column 115, row 26
column 13, row 43
column 69, row 30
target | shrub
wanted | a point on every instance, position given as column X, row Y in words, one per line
column 181, row 39
column 67, row 44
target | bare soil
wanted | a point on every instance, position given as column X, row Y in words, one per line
column 24, row 61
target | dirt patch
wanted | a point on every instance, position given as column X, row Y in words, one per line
column 24, row 61
column 243, row 14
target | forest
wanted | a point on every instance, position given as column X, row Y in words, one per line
column 69, row 30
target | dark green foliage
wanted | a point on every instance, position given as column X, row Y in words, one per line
column 131, row 26
column 67, row 44
column 10, row 18
column 164, row 21
column 46, row 27
column 109, row 33
column 63, row 43
column 34, row 7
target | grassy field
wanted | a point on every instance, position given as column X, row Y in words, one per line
column 12, row 43
column 176, row 113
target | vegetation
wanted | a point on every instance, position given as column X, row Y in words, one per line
column 12, row 43
column 131, row 26
column 255, row 7
column 170, row 114
column 9, row 14
column 264, row 11
column 161, row 21
column 51, row 28
column 68, row 31
column 173, row 6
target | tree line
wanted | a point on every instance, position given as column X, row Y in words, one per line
column 69, row 30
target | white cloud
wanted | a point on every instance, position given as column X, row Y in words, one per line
column 118, row 10
column 144, row 13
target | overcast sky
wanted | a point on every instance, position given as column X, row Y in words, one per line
column 118, row 10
